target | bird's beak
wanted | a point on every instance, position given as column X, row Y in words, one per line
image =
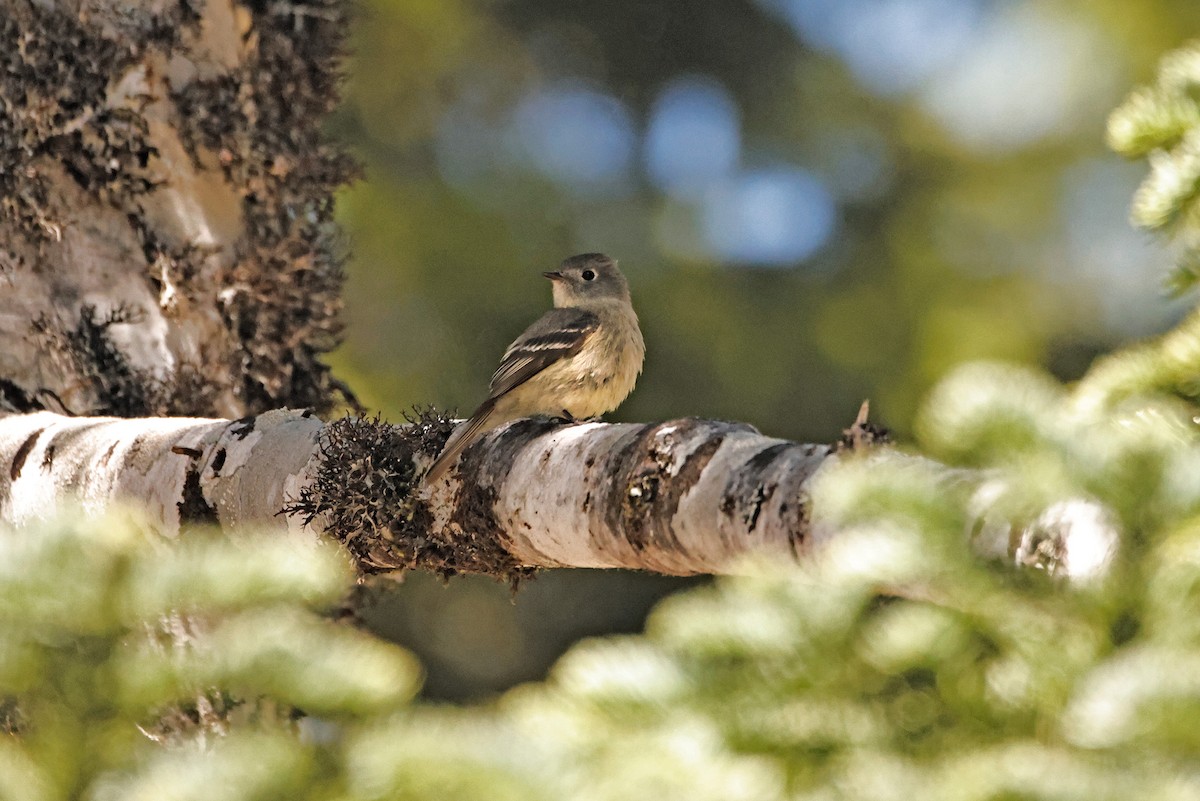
column 553, row 275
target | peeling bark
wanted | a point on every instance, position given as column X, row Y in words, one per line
column 682, row 497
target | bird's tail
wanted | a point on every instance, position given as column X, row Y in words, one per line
column 459, row 439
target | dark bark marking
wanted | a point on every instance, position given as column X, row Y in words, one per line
column 193, row 508
column 64, row 439
column 774, row 472
column 759, row 463
column 632, row 485
column 761, row 496
column 497, row 459
column 475, row 518
column 22, row 454
column 750, row 488
column 798, row 529
column 16, row 399
column 689, row 474
column 643, row 496
column 244, row 427
column 671, row 489
column 478, row 542
column 218, row 462
column 135, row 447
column 183, row 450
column 482, row 470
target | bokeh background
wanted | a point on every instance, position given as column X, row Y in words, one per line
column 815, row 201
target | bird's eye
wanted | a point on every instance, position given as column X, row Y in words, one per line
column 588, row 275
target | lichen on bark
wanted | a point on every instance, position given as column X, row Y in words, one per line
column 164, row 184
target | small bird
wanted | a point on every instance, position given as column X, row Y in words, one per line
column 578, row 360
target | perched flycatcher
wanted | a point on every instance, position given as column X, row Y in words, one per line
column 579, row 360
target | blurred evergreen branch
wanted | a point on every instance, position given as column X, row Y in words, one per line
column 1169, row 363
column 897, row 664
column 105, row 631
column 1162, row 123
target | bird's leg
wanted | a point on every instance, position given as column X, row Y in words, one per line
column 570, row 419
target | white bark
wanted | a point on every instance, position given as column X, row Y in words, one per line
column 235, row 473
column 93, row 255
column 683, row 497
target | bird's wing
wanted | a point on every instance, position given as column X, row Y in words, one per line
column 557, row 334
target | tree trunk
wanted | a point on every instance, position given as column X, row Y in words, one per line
column 165, row 230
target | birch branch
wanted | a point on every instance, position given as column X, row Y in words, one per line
column 681, row 497
column 178, row 470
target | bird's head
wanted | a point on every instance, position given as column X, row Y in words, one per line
column 587, row 278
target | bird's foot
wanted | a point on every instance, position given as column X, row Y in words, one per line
column 570, row 419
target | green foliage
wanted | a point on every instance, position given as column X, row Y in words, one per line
column 896, row 664
column 1162, row 121
column 107, row 635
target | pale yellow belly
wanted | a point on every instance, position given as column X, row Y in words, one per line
column 592, row 382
